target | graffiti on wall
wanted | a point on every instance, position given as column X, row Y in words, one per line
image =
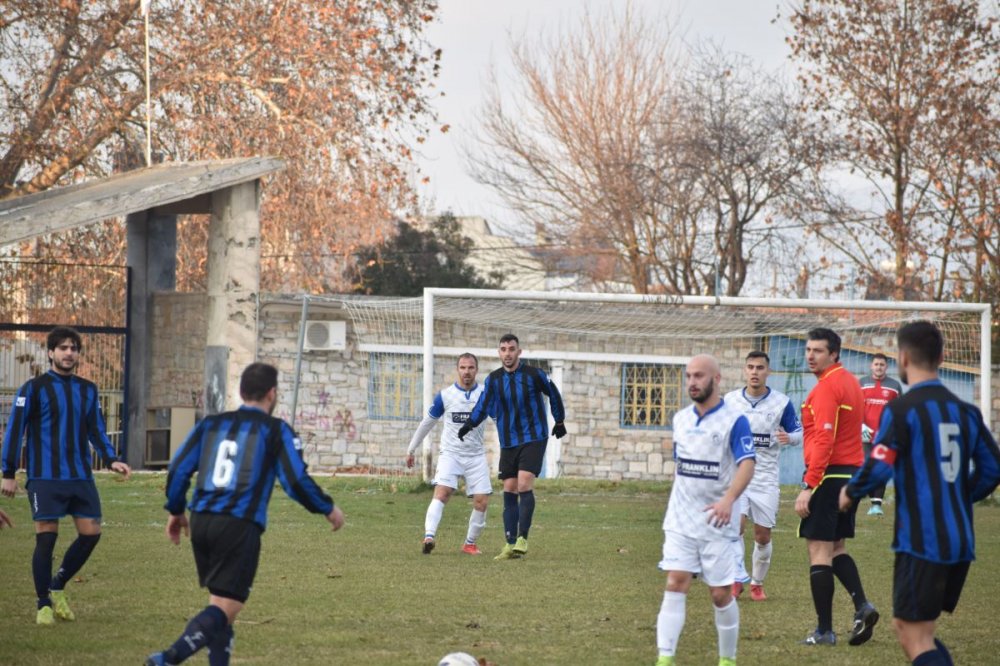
column 340, row 422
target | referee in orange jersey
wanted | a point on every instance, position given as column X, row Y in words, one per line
column 831, row 422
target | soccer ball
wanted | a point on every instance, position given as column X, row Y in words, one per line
column 458, row 659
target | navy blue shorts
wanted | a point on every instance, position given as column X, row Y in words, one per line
column 51, row 500
column 226, row 553
column 527, row 457
column 921, row 589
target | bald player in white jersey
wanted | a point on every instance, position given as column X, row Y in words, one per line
column 714, row 456
column 774, row 424
column 457, row 458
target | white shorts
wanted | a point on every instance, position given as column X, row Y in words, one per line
column 473, row 468
column 713, row 559
column 760, row 506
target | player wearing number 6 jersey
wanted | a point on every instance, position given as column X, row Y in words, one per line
column 237, row 456
column 942, row 458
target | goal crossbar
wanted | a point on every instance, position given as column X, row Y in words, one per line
column 982, row 309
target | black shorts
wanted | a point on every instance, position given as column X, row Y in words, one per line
column 921, row 589
column 825, row 521
column 226, row 552
column 51, row 500
column 527, row 457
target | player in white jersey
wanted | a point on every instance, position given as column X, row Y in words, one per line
column 714, row 456
column 456, row 457
column 774, row 424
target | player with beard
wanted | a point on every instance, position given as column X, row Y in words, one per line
column 942, row 458
column 237, row 456
column 714, row 457
column 61, row 414
column 513, row 396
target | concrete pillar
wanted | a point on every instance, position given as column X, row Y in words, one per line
column 233, row 282
column 151, row 255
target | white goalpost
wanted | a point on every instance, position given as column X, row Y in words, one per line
column 579, row 331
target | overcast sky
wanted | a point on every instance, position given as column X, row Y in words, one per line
column 474, row 34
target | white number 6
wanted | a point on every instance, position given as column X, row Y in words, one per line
column 222, row 472
column 951, row 451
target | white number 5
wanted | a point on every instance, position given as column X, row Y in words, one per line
column 951, row 450
column 222, row 472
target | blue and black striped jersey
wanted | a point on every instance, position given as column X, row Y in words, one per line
column 237, row 456
column 61, row 415
column 514, row 400
column 942, row 459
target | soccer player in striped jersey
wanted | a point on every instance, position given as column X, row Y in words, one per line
column 513, row 396
column 942, row 458
column 457, row 458
column 61, row 414
column 237, row 456
column 831, row 447
column 879, row 389
column 714, row 456
column 774, row 424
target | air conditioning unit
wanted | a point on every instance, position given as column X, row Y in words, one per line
column 325, row 336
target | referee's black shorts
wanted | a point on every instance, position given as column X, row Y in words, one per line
column 825, row 521
column 226, row 553
column 921, row 589
column 527, row 457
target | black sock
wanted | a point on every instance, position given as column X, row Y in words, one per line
column 510, row 516
column 846, row 572
column 221, row 647
column 930, row 658
column 76, row 556
column 527, row 508
column 41, row 565
column 944, row 652
column 199, row 632
column 821, row 583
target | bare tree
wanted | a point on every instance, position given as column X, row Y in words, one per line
column 905, row 94
column 634, row 165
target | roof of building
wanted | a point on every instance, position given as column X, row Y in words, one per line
column 96, row 200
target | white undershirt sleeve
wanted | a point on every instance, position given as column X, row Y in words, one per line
column 423, row 430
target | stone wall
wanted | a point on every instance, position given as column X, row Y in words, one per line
column 179, row 334
column 332, row 411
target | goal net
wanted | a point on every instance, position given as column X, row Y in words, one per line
column 618, row 360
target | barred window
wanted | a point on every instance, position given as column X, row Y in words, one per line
column 395, row 386
column 650, row 394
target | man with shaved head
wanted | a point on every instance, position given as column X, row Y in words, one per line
column 714, row 456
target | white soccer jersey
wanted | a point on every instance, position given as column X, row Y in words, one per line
column 765, row 414
column 707, row 451
column 454, row 404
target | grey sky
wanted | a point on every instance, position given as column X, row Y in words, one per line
column 475, row 33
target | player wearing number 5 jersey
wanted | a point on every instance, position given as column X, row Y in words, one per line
column 942, row 458
column 237, row 456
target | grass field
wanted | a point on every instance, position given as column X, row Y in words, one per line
column 588, row 593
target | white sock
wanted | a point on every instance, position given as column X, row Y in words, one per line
column 761, row 562
column 433, row 517
column 741, row 555
column 477, row 521
column 670, row 622
column 727, row 623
